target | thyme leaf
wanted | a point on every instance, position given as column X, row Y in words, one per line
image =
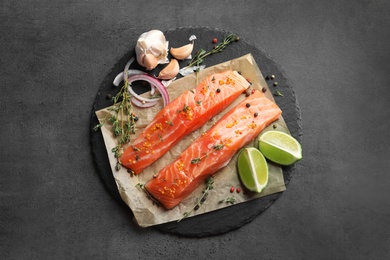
column 196, row 160
column 218, row 146
column 278, row 93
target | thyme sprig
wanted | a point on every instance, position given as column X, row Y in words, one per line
column 202, row 199
column 216, row 147
column 202, row 54
column 229, row 200
column 123, row 120
column 150, row 197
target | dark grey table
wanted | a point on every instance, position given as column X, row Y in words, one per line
column 55, row 54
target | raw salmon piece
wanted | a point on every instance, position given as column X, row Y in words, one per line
column 182, row 116
column 213, row 150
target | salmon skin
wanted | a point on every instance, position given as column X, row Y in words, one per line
column 213, row 150
column 182, row 116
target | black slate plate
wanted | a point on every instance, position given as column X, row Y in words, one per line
column 225, row 220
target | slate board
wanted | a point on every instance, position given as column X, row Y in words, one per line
column 230, row 218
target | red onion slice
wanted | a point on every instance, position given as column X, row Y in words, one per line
column 139, row 103
column 154, row 83
column 121, row 76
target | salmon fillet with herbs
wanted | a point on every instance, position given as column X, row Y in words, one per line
column 213, row 150
column 185, row 114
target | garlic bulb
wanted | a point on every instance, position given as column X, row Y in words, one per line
column 151, row 49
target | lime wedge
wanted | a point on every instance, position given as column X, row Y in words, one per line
column 252, row 169
column 280, row 147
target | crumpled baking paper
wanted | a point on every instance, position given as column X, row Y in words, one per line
column 146, row 212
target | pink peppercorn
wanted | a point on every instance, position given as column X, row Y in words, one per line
column 215, row 40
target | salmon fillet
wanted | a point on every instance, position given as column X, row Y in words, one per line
column 213, row 150
column 182, row 116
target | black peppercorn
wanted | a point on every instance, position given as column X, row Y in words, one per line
column 256, row 114
column 248, row 105
column 263, row 89
column 275, row 84
column 218, row 90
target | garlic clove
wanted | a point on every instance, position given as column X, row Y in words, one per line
column 150, row 61
column 182, row 52
column 170, row 71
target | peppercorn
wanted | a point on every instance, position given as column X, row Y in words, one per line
column 238, row 190
column 275, row 83
column 248, row 105
column 263, row 89
column 136, row 118
column 218, row 90
column 256, row 114
column 108, row 96
column 215, row 40
column 253, row 91
column 247, row 93
column 232, row 189
column 272, row 76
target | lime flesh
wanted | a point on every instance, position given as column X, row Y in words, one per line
column 280, row 147
column 252, row 169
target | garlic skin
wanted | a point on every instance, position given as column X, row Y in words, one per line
column 170, row 71
column 151, row 49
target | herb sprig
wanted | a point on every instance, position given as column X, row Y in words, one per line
column 229, row 200
column 202, row 199
column 202, row 54
column 123, row 120
column 216, row 147
column 150, row 197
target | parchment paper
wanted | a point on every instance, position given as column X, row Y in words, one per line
column 147, row 213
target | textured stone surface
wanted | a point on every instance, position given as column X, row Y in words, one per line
column 55, row 54
column 234, row 217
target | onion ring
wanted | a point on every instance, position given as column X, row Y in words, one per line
column 142, row 104
column 121, row 76
column 154, row 83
